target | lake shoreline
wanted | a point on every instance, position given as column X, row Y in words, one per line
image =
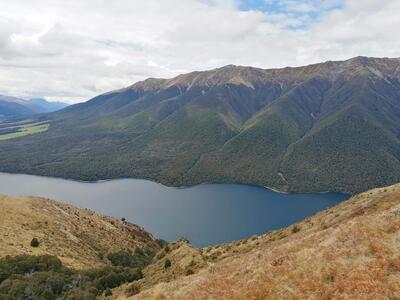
column 177, row 186
column 208, row 214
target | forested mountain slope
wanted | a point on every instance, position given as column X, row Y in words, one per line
column 330, row 126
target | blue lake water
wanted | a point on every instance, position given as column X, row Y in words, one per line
column 206, row 214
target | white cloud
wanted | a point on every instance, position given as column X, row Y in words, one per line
column 73, row 50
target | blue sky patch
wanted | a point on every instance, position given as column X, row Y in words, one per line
column 304, row 11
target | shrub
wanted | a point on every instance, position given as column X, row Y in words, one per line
column 126, row 259
column 111, row 277
column 108, row 293
column 167, row 264
column 295, row 229
column 189, row 272
column 161, row 243
column 49, row 279
column 184, row 239
column 35, row 243
column 138, row 251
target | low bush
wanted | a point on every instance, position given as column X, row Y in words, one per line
column 162, row 243
column 167, row 264
column 44, row 277
column 108, row 293
column 35, row 243
column 138, row 259
column 295, row 229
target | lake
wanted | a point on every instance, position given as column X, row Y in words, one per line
column 206, row 214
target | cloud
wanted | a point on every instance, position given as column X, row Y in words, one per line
column 73, row 50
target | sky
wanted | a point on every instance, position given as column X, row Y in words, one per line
column 73, row 50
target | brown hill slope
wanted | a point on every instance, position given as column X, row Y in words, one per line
column 79, row 237
column 347, row 252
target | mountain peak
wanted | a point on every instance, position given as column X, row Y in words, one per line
column 149, row 84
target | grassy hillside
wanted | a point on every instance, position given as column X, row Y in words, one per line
column 349, row 251
column 331, row 126
column 346, row 252
column 80, row 238
column 50, row 250
column 15, row 130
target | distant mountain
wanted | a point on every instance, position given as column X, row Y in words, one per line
column 16, row 107
column 329, row 126
column 48, row 106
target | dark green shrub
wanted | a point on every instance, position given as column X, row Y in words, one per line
column 126, row 259
column 108, row 293
column 139, row 251
column 25, row 264
column 295, row 229
column 162, row 243
column 44, row 277
column 35, row 242
column 167, row 264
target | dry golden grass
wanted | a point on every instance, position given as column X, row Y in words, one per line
column 185, row 260
column 79, row 237
column 351, row 251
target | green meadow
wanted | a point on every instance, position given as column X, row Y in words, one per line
column 24, row 130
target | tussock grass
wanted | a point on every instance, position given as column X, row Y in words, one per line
column 79, row 237
column 347, row 252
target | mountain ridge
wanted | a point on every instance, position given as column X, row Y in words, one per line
column 327, row 126
column 13, row 107
column 357, row 63
column 16, row 107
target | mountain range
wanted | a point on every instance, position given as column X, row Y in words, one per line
column 12, row 107
column 49, row 106
column 332, row 126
